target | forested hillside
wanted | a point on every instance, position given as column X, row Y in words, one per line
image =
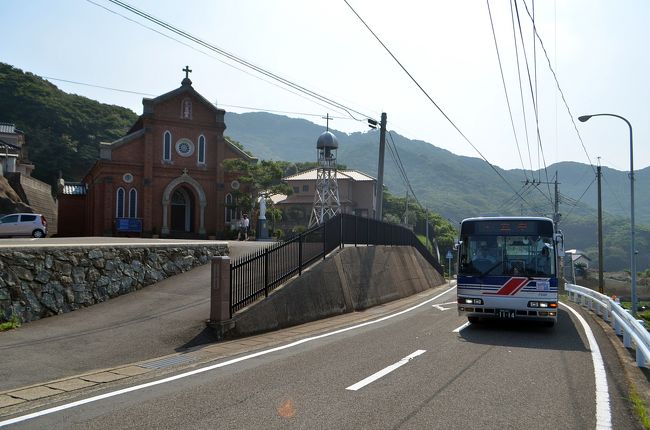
column 62, row 131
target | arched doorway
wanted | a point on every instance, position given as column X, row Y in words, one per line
column 182, row 211
column 193, row 194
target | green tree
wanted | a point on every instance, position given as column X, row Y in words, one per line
column 262, row 179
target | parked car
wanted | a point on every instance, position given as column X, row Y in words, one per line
column 23, row 224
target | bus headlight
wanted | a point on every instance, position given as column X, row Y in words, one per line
column 469, row 301
column 542, row 305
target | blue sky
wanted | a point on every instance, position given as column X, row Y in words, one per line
column 599, row 50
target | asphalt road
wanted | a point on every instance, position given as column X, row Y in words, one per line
column 426, row 369
column 157, row 320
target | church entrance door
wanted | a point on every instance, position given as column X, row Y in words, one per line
column 182, row 211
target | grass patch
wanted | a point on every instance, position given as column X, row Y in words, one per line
column 639, row 407
column 641, row 314
column 11, row 324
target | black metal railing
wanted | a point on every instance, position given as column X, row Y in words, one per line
column 257, row 274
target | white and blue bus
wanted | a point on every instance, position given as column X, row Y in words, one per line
column 507, row 268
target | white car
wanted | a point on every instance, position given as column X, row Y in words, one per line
column 23, row 224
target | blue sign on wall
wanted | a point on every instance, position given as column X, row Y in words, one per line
column 128, row 225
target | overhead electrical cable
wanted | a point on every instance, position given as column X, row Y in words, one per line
column 505, row 90
column 284, row 88
column 532, row 94
column 400, row 166
column 220, row 104
column 557, row 83
column 431, row 99
column 521, row 88
column 242, row 61
column 98, row 86
column 578, row 201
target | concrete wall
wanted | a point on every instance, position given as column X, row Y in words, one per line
column 350, row 280
column 44, row 281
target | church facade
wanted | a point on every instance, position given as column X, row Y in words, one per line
column 165, row 176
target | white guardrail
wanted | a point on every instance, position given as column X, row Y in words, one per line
column 634, row 333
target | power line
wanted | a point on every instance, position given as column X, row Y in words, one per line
column 578, row 201
column 220, row 104
column 534, row 100
column 557, row 83
column 521, row 88
column 430, row 99
column 98, row 86
column 207, row 54
column 241, row 61
column 505, row 90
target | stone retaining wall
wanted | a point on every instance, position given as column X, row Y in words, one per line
column 41, row 282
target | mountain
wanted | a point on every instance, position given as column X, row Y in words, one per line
column 63, row 132
column 458, row 187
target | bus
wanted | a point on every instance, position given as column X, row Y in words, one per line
column 507, row 268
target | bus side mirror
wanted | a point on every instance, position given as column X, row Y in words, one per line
column 559, row 244
column 457, row 244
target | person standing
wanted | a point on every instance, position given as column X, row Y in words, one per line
column 245, row 225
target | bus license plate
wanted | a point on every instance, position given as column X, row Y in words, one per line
column 505, row 313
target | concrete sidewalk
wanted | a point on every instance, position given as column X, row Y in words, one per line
column 37, row 394
column 157, row 320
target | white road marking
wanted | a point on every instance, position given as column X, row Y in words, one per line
column 440, row 306
column 372, row 378
column 458, row 330
column 603, row 413
column 212, row 367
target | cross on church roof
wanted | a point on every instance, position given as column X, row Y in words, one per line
column 187, row 71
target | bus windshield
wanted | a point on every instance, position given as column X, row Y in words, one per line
column 507, row 255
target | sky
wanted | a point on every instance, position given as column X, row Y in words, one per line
column 598, row 49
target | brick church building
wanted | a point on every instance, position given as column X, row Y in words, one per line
column 165, row 176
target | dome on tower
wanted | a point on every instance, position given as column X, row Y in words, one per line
column 327, row 140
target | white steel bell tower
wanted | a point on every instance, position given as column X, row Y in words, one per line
column 326, row 200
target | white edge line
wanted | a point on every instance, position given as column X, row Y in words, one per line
column 459, row 329
column 212, row 367
column 603, row 414
column 372, row 378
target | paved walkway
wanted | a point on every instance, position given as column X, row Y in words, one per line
column 157, row 320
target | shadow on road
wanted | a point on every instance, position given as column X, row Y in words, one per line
column 526, row 334
column 205, row 336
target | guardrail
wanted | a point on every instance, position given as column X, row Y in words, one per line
column 633, row 332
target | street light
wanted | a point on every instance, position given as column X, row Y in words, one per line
column 632, row 250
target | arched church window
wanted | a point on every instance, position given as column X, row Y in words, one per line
column 201, row 155
column 119, row 203
column 133, row 203
column 167, row 146
column 230, row 208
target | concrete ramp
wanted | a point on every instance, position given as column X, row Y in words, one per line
column 352, row 279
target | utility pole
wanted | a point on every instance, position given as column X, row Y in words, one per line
column 426, row 225
column 406, row 208
column 380, row 168
column 556, row 215
column 600, row 232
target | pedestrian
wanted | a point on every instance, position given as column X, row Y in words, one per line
column 244, row 226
